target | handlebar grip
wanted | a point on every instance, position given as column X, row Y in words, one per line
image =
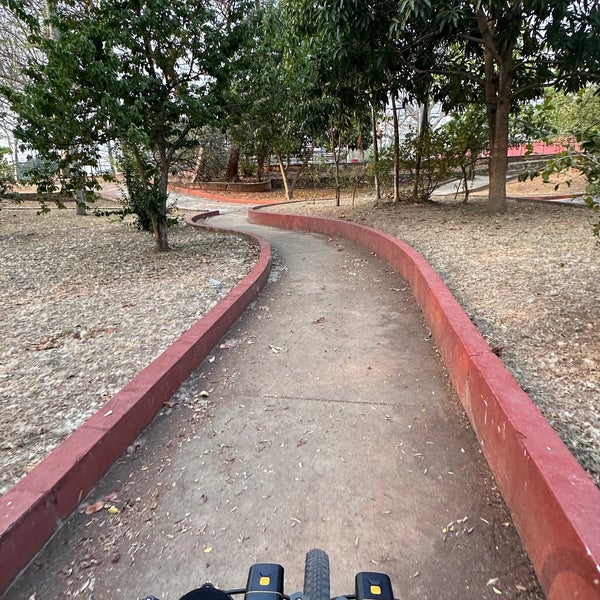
column 265, row 582
column 373, row 586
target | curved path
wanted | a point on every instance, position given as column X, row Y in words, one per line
column 330, row 423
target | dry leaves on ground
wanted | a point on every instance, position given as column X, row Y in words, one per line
column 87, row 304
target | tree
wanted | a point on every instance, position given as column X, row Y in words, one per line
column 273, row 96
column 360, row 55
column 146, row 73
column 465, row 137
column 505, row 52
column 15, row 50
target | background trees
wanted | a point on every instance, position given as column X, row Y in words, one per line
column 144, row 73
column 280, row 76
column 498, row 53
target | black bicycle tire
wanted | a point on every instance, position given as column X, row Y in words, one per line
column 316, row 575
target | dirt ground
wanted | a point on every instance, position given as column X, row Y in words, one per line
column 528, row 279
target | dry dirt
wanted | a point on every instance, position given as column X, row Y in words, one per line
column 86, row 305
column 75, row 289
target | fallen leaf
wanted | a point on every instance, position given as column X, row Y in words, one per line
column 94, row 508
column 208, row 550
column 204, row 394
column 113, row 510
column 46, row 344
column 112, row 496
column 319, row 320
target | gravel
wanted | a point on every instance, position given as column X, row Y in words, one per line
column 86, row 305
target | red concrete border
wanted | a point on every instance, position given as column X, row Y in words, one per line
column 32, row 510
column 554, row 503
column 221, row 197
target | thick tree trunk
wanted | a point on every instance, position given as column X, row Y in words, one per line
column 80, row 202
column 375, row 148
column 396, row 150
column 233, row 164
column 161, row 240
column 499, row 65
column 498, row 163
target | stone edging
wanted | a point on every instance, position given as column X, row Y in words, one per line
column 554, row 503
column 35, row 508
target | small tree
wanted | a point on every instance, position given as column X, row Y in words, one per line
column 465, row 137
column 429, row 159
column 144, row 73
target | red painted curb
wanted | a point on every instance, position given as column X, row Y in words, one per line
column 33, row 509
column 554, row 503
column 213, row 196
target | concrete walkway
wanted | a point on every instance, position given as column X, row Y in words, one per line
column 329, row 423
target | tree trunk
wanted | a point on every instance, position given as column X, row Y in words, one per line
column 161, row 240
column 465, row 183
column 159, row 221
column 336, row 163
column 396, row 150
column 498, row 164
column 423, row 124
column 289, row 189
column 499, row 65
column 260, row 166
column 287, row 183
column 375, row 148
column 16, row 160
column 336, row 158
column 80, row 202
column 233, row 164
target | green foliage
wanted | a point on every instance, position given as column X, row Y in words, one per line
column 584, row 158
column 7, row 178
column 146, row 74
column 429, row 159
column 211, row 154
column 382, row 169
column 566, row 115
column 463, row 140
